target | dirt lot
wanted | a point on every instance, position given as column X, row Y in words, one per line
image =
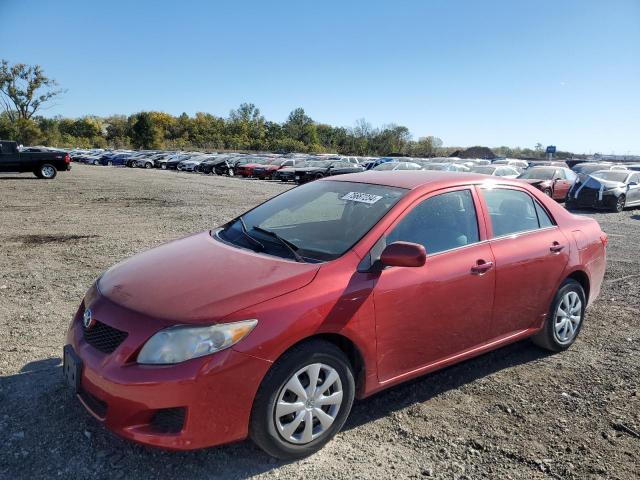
column 515, row 413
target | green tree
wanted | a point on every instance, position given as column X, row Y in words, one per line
column 24, row 89
column 143, row 132
column 299, row 126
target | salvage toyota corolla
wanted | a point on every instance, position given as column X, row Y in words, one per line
column 271, row 325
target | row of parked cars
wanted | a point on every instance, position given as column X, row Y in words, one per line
column 599, row 185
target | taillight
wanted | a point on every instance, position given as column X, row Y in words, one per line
column 67, row 158
column 604, row 239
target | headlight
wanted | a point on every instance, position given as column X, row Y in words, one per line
column 177, row 344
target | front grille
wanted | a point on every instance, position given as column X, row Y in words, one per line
column 168, row 420
column 104, row 338
column 93, row 403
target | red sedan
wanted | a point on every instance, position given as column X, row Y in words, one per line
column 271, row 326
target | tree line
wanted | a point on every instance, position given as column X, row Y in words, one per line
column 25, row 89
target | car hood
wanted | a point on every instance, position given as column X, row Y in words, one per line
column 200, row 279
column 599, row 182
column 311, row 169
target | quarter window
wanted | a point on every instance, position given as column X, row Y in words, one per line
column 513, row 211
column 440, row 223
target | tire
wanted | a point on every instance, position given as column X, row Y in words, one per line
column 46, row 172
column 265, row 427
column 318, row 176
column 231, row 173
column 109, row 163
column 552, row 336
column 547, row 192
column 148, row 165
column 618, row 207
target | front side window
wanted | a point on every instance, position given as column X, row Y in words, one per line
column 513, row 211
column 440, row 223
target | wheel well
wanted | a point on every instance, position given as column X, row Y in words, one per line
column 582, row 278
column 349, row 349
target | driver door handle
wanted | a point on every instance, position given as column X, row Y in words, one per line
column 556, row 247
column 481, row 267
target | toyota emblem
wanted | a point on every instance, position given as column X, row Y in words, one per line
column 87, row 319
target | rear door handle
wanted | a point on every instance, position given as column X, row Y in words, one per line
column 481, row 267
column 556, row 247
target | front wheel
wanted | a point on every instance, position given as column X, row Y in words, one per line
column 564, row 319
column 619, row 205
column 547, row 192
column 303, row 401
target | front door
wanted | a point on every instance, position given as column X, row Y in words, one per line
column 432, row 312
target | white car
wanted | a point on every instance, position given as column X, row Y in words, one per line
column 504, row 171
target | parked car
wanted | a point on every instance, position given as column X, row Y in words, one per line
column 267, row 171
column 583, row 170
column 288, row 174
column 266, row 326
column 210, row 164
column 554, row 182
column 325, row 168
column 192, row 163
column 512, row 162
column 497, row 171
column 43, row 165
column 446, row 167
column 391, row 166
column 607, row 189
column 246, row 169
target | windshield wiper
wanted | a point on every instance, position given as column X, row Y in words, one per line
column 290, row 246
column 245, row 232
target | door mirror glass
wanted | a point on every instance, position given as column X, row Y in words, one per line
column 403, row 254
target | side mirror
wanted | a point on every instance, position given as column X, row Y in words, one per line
column 403, row 254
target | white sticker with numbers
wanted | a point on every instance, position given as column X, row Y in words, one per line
column 362, row 197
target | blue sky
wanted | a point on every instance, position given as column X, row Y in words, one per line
column 470, row 72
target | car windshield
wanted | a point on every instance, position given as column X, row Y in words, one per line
column 321, row 163
column 319, row 220
column 611, row 175
column 539, row 174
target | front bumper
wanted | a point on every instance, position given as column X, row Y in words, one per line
column 591, row 198
column 215, row 392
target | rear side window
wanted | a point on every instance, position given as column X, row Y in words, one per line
column 440, row 223
column 543, row 217
column 513, row 211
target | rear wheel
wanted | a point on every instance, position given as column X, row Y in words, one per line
column 46, row 171
column 564, row 319
column 109, row 163
column 547, row 192
column 619, row 205
column 318, row 176
column 148, row 165
column 303, row 400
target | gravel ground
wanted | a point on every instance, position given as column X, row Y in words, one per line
column 515, row 413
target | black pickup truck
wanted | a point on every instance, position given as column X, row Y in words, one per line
column 42, row 164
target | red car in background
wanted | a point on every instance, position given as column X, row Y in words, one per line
column 271, row 325
column 246, row 169
column 266, row 171
column 554, row 182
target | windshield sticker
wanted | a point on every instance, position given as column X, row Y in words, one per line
column 362, row 197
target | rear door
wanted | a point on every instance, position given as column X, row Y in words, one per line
column 530, row 252
column 433, row 312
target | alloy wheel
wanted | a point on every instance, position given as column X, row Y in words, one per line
column 568, row 317
column 48, row 171
column 308, row 403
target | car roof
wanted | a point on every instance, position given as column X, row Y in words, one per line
column 413, row 179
